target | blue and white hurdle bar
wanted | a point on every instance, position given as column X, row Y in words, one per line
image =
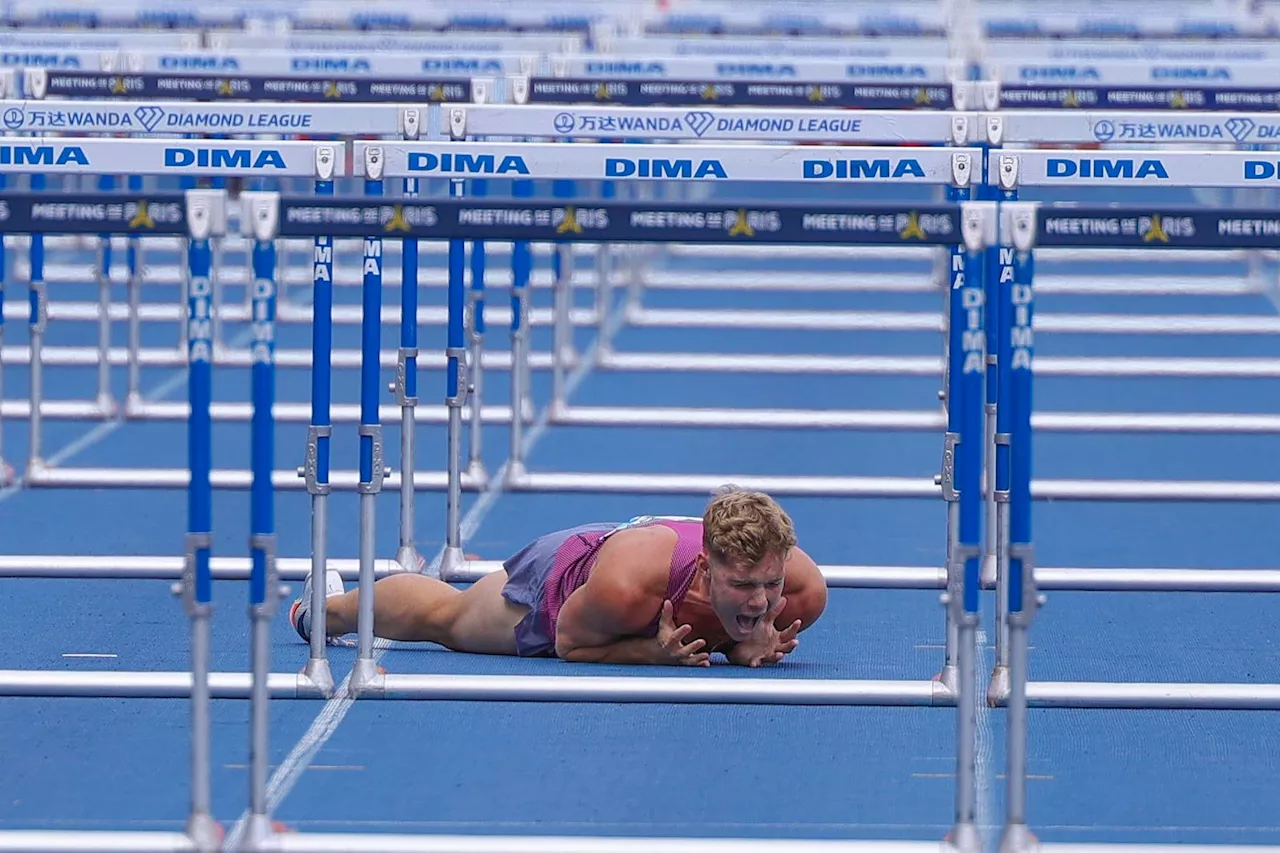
column 538, row 121
column 974, row 228
column 266, row 216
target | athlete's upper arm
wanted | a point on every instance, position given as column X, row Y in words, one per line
column 805, row 589
column 620, row 599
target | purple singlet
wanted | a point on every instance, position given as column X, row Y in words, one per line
column 546, row 572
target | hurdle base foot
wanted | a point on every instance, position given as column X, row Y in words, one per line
column 36, row 467
column 998, row 689
column 477, row 475
column 316, row 679
column 1017, row 838
column 408, row 558
column 517, row 475
column 949, row 677
column 367, row 680
column 452, row 563
column 963, row 838
column 107, row 406
column 205, row 833
column 257, row 834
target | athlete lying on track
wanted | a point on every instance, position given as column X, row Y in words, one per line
column 656, row 590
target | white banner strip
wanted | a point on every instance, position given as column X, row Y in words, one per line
column 59, row 58
column 802, row 69
column 737, row 124
column 1177, row 50
column 163, row 157
column 690, row 162
column 905, row 47
column 1220, row 74
column 319, row 64
column 139, row 117
column 325, row 14
column 97, row 40
column 378, row 42
column 1143, row 168
column 1142, row 127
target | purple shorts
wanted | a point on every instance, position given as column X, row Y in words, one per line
column 527, row 573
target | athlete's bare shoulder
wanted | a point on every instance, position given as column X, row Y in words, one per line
column 638, row 556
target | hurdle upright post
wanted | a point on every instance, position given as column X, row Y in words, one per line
column 453, row 560
column 1024, row 600
column 102, row 280
column 320, row 432
column 206, row 217
column 475, row 326
column 371, row 471
column 260, row 221
column 521, row 272
column 6, row 470
column 405, row 385
column 995, row 566
column 977, row 226
column 957, row 193
column 38, row 322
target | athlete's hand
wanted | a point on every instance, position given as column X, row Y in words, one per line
column 672, row 650
column 767, row 645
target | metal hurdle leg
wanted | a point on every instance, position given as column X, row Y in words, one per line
column 1023, row 599
column 960, row 191
column 562, row 331
column 964, row 586
column 521, row 268
column 995, row 559
column 6, row 471
column 259, row 220
column 206, row 216
column 133, row 393
column 372, row 471
column 405, row 386
column 995, row 567
column 475, row 368
column 319, row 433
column 39, row 319
column 604, row 283
column 453, row 560
column 102, row 273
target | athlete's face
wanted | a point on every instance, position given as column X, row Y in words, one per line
column 741, row 595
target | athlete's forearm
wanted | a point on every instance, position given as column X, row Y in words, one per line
column 633, row 650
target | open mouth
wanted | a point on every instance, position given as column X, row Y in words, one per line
column 748, row 623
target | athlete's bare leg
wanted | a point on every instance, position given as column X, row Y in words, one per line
column 417, row 609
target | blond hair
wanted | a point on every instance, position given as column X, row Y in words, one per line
column 741, row 527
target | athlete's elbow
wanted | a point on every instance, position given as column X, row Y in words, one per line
column 568, row 646
column 806, row 593
column 566, row 650
column 808, row 604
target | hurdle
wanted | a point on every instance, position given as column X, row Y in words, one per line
column 1024, row 226
column 267, row 216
